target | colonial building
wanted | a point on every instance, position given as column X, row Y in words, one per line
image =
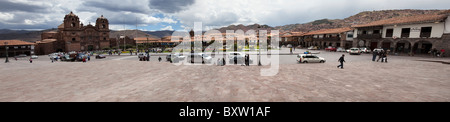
column 293, row 38
column 408, row 35
column 337, row 37
column 74, row 36
column 15, row 47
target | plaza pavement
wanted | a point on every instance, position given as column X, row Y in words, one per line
column 127, row 79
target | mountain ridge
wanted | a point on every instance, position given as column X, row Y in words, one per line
column 360, row 18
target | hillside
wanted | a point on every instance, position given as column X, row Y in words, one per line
column 130, row 33
column 363, row 17
column 25, row 35
column 245, row 28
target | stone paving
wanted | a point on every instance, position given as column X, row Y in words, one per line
column 126, row 79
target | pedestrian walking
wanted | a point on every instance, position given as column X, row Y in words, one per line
column 374, row 55
column 223, row 62
column 341, row 60
column 384, row 58
column 433, row 52
column 159, row 59
column 380, row 55
column 31, row 60
column 51, row 58
column 247, row 63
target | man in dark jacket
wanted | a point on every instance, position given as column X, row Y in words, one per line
column 375, row 53
column 341, row 60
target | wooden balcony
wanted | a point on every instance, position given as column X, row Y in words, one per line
column 369, row 36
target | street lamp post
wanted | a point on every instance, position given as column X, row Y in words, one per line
column 146, row 43
column 6, row 47
column 124, row 45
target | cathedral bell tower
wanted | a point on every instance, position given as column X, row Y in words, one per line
column 102, row 24
column 71, row 21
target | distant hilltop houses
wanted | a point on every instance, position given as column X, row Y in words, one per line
column 411, row 35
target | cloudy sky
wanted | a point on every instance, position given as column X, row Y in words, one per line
column 181, row 14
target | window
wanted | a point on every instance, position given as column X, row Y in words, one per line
column 405, row 32
column 364, row 32
column 72, row 25
column 389, row 32
column 425, row 32
column 350, row 35
column 104, row 38
column 376, row 31
column 73, row 39
column 103, row 26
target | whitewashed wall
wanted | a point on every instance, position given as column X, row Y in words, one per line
column 436, row 32
column 447, row 25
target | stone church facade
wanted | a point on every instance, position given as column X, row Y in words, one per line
column 72, row 35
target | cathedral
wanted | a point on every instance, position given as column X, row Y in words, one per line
column 72, row 35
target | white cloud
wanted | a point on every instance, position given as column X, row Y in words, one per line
column 44, row 14
column 6, row 16
column 167, row 28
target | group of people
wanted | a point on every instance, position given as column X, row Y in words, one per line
column 437, row 53
column 381, row 55
column 245, row 62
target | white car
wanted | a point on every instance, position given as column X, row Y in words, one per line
column 199, row 58
column 340, row 49
column 309, row 58
column 378, row 49
column 355, row 51
column 34, row 57
column 313, row 48
column 141, row 55
column 237, row 57
column 365, row 50
column 175, row 57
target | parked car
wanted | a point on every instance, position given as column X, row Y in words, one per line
column 54, row 57
column 313, row 48
column 80, row 56
column 34, row 57
column 378, row 49
column 100, row 56
column 22, row 55
column 237, row 57
column 355, row 51
column 309, row 58
column 348, row 50
column 340, row 49
column 199, row 58
column 330, row 48
column 365, row 50
column 175, row 57
column 67, row 58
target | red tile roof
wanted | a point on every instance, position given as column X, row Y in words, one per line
column 407, row 20
column 14, row 42
column 329, row 31
column 47, row 41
